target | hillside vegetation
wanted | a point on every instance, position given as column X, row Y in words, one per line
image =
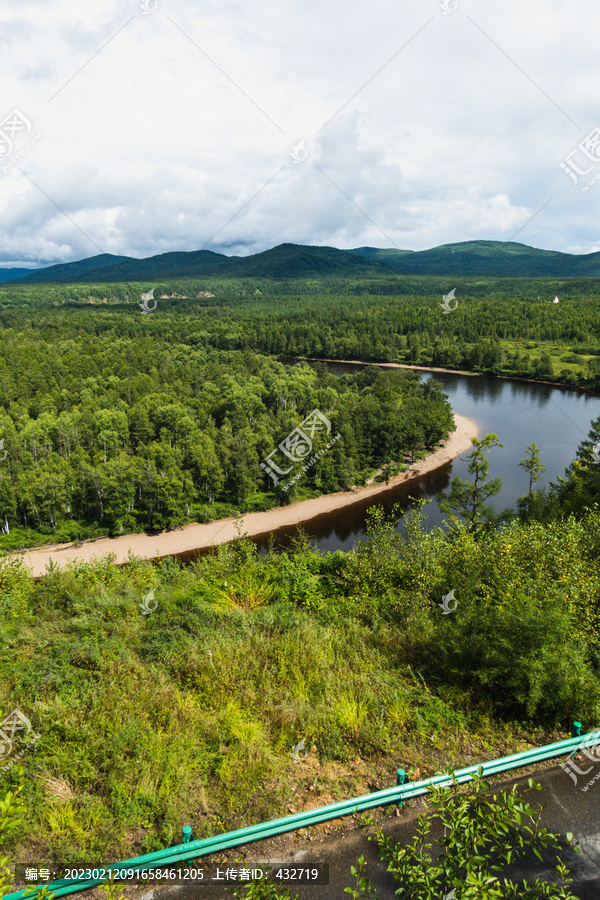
column 189, row 714
column 482, row 258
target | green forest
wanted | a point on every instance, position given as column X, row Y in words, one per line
column 109, row 434
column 113, row 420
column 507, row 326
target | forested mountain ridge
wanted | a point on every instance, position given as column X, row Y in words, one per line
column 12, row 274
column 284, row 261
column 484, row 258
column 75, row 271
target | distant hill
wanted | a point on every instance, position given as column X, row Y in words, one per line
column 486, row 258
column 75, row 271
column 468, row 258
column 12, row 274
column 381, row 255
column 177, row 264
column 298, row 261
column 284, row 261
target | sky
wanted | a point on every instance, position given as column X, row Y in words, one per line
column 138, row 127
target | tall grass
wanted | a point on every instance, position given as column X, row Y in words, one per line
column 189, row 715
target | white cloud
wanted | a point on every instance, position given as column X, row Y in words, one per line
column 157, row 131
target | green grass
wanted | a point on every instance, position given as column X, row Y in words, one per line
column 189, row 715
column 557, row 353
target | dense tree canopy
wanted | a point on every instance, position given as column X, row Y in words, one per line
column 132, row 432
column 121, row 421
column 500, row 325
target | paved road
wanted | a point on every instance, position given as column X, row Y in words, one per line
column 569, row 808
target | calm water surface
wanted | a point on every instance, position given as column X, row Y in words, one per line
column 556, row 418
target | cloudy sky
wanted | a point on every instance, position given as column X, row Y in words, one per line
column 138, row 127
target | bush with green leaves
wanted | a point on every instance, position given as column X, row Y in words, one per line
column 11, row 816
column 484, row 831
column 389, row 575
column 524, row 636
column 363, row 887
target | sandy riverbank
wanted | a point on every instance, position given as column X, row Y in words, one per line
column 196, row 536
column 390, row 365
column 385, row 365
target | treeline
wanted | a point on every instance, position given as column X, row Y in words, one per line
column 574, row 493
column 429, row 286
column 132, row 433
column 490, row 335
column 496, row 326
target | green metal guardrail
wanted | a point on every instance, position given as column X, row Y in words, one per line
column 404, row 790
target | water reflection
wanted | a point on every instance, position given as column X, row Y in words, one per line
column 556, row 418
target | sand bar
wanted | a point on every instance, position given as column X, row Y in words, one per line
column 389, row 365
column 201, row 536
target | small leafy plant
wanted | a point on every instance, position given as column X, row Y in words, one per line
column 484, row 831
column 363, row 886
column 11, row 816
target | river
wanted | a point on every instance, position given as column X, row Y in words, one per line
column 556, row 418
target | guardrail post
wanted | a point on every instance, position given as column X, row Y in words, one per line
column 401, row 778
column 187, row 834
column 577, row 730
